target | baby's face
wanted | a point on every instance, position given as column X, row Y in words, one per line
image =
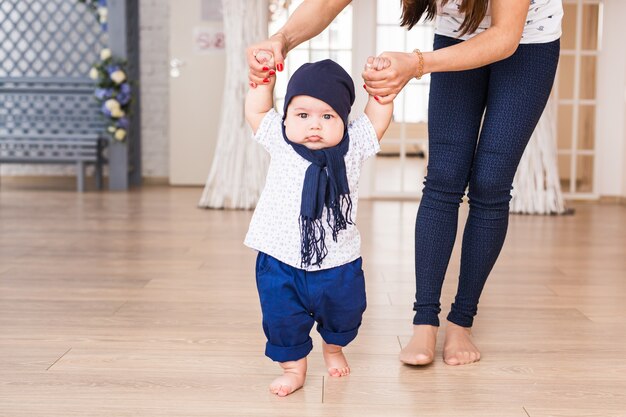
column 313, row 123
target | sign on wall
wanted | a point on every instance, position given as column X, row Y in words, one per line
column 207, row 40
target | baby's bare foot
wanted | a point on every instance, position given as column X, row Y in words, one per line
column 421, row 348
column 292, row 378
column 335, row 360
column 458, row 348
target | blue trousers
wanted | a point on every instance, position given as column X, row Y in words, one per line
column 292, row 300
column 463, row 154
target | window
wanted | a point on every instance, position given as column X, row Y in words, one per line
column 575, row 91
column 401, row 164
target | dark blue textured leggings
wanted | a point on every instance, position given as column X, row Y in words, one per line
column 511, row 94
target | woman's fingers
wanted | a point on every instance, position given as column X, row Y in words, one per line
column 385, row 91
column 381, row 82
column 265, row 58
column 386, row 99
column 279, row 49
column 261, row 68
column 396, row 69
column 373, row 76
column 256, row 71
column 380, row 92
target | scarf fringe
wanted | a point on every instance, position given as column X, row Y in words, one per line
column 339, row 215
column 312, row 245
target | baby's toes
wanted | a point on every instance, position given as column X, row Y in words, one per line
column 284, row 391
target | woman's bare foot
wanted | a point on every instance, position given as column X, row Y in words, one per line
column 292, row 378
column 421, row 348
column 335, row 360
column 458, row 348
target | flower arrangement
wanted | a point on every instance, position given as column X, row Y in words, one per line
column 113, row 92
column 99, row 8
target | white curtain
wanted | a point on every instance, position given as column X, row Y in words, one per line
column 239, row 166
column 536, row 187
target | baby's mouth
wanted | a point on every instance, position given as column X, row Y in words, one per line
column 313, row 138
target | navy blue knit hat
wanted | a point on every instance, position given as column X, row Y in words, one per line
column 325, row 80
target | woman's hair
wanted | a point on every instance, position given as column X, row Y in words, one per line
column 413, row 10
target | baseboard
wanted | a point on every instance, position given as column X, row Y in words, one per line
column 155, row 181
column 62, row 182
column 612, row 199
column 43, row 182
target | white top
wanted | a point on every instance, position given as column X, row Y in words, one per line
column 275, row 228
column 543, row 22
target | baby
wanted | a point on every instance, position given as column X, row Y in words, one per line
column 308, row 268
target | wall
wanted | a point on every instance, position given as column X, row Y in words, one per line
column 624, row 150
column 154, row 16
column 611, row 109
column 610, row 120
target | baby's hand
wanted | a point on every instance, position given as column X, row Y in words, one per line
column 377, row 63
column 265, row 57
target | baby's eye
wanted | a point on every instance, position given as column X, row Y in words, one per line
column 302, row 115
column 327, row 116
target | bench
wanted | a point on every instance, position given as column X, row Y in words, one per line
column 54, row 121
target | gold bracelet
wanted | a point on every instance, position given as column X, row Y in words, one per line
column 420, row 65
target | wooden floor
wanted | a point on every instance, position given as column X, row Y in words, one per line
column 140, row 304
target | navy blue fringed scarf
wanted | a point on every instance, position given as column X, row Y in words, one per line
column 325, row 181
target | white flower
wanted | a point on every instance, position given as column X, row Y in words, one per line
column 105, row 54
column 117, row 113
column 118, row 76
column 111, row 129
column 120, row 134
column 112, row 104
column 93, row 73
column 103, row 13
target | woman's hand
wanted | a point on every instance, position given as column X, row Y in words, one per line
column 388, row 82
column 259, row 70
column 264, row 58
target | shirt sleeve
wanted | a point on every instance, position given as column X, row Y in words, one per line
column 270, row 130
column 363, row 137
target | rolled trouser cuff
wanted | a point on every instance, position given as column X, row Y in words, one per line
column 336, row 338
column 288, row 353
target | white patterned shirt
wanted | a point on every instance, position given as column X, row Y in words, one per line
column 275, row 228
column 543, row 22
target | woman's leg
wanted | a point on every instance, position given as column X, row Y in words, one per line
column 518, row 90
column 456, row 105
